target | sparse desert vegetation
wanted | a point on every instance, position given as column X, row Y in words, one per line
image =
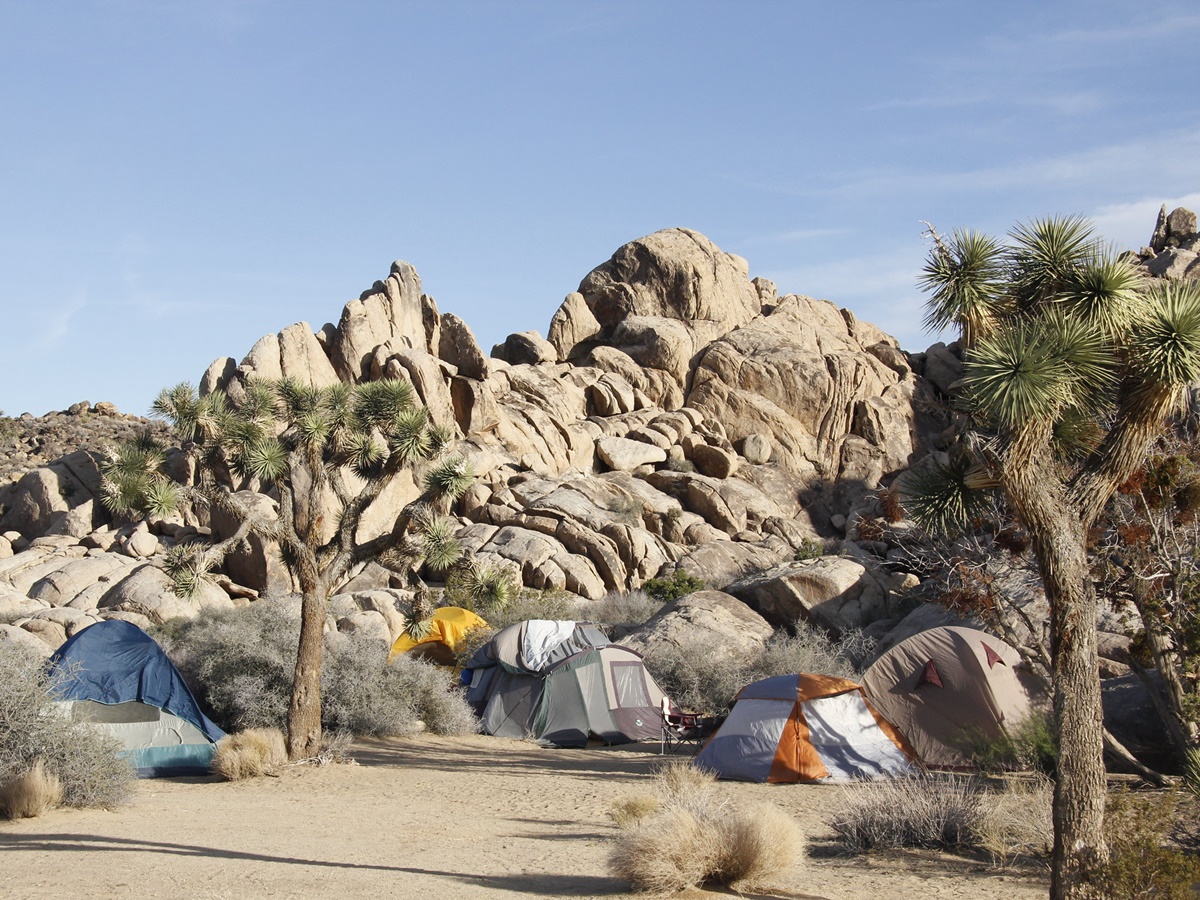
column 45, row 758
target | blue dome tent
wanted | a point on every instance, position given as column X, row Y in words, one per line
column 113, row 676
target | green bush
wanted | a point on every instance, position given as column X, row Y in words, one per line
column 32, row 728
column 240, row 663
column 809, row 549
column 1030, row 745
column 1142, row 863
column 680, row 584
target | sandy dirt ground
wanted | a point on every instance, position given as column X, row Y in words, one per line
column 479, row 818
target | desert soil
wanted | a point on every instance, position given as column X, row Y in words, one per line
column 478, row 818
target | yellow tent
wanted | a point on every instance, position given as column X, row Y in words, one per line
column 447, row 629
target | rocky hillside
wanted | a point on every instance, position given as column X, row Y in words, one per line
column 678, row 415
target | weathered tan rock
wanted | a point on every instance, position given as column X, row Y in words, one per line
column 258, row 565
column 719, row 562
column 49, row 632
column 796, row 376
column 14, row 604
column 573, row 323
column 675, row 273
column 263, row 358
column 715, row 462
column 838, row 594
column 45, row 497
column 302, row 357
column 149, row 592
column 756, row 448
column 457, row 346
column 218, row 375
column 525, row 348
column 366, row 623
column 63, row 585
column 709, row 622
column 625, row 455
column 12, row 635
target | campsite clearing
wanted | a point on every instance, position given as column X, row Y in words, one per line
column 426, row 818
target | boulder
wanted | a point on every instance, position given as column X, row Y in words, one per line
column 525, row 348
column 257, row 564
column 721, row 561
column 711, row 623
column 836, row 593
column 675, row 274
column 573, row 323
column 63, row 585
column 457, row 346
column 368, row 624
column 302, row 357
column 715, row 462
column 625, row 455
column 756, row 448
column 149, row 592
column 11, row 635
column 52, row 633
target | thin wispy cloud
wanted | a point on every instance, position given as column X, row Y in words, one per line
column 54, row 328
column 1171, row 156
column 1141, row 29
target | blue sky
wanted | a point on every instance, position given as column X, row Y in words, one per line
column 179, row 178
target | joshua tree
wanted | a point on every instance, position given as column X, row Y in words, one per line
column 322, row 452
column 1072, row 368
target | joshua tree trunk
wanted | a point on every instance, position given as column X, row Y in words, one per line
column 304, row 713
column 1080, row 791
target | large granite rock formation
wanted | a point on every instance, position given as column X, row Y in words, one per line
column 678, row 415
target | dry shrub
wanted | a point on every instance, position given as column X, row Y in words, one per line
column 31, row 793
column 933, row 811
column 631, row 810
column 250, row 754
column 693, row 837
column 667, row 853
column 1017, row 822
column 760, row 846
column 34, row 727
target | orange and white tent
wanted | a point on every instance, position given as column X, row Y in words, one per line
column 794, row 728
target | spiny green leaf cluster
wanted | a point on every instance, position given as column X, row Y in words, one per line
column 1060, row 338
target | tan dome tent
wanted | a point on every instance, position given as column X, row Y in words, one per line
column 562, row 683
column 793, row 728
column 942, row 686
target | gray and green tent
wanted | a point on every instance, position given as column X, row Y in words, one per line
column 562, row 683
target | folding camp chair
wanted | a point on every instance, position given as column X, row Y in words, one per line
column 681, row 729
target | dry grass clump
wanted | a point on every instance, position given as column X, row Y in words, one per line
column 31, row 793
column 933, row 811
column 1017, row 822
column 250, row 754
column 693, row 837
column 631, row 810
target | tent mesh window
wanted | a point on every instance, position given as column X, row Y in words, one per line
column 630, row 683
